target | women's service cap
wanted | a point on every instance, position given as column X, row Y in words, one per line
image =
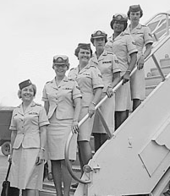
column 61, row 60
column 24, row 84
column 134, row 8
column 120, row 17
column 98, row 34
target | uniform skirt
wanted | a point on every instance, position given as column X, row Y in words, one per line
column 137, row 85
column 123, row 98
column 24, row 174
column 85, row 130
column 57, row 135
column 107, row 109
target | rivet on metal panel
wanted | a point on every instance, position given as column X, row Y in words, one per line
column 87, row 169
column 96, row 168
column 130, row 142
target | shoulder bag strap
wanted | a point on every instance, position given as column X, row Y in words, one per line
column 9, row 167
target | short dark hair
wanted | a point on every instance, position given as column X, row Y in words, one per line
column 83, row 46
column 119, row 17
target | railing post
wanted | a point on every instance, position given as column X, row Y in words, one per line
column 158, row 67
column 167, row 24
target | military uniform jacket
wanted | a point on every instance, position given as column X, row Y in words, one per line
column 28, row 125
column 61, row 97
column 122, row 46
column 107, row 64
column 142, row 36
column 88, row 79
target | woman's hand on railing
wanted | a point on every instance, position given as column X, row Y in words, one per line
column 91, row 109
column 109, row 91
column 126, row 77
column 75, row 127
column 140, row 62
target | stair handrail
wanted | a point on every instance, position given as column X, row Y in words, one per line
column 67, row 146
column 167, row 21
column 161, row 13
column 154, row 50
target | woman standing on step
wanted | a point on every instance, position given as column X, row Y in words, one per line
column 108, row 64
column 62, row 101
column 90, row 81
column 28, row 140
column 123, row 46
column 143, row 39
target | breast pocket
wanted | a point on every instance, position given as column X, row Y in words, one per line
column 33, row 117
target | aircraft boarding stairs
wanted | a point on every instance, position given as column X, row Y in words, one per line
column 136, row 159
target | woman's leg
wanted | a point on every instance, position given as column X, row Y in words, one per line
column 120, row 117
column 24, row 193
column 136, row 103
column 49, row 175
column 66, row 179
column 57, row 176
column 85, row 152
column 30, row 192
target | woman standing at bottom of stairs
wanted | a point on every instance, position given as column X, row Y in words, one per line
column 143, row 38
column 62, row 101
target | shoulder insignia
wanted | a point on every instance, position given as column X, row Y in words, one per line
column 150, row 34
column 37, row 104
column 100, row 76
column 71, row 79
column 72, row 68
column 109, row 52
column 94, row 62
column 133, row 43
column 116, row 61
column 78, row 87
column 48, row 82
column 93, row 66
column 125, row 33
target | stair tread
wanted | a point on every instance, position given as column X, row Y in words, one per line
column 164, row 67
column 152, row 77
column 49, row 186
column 151, row 86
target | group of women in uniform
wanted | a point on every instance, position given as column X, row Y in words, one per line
column 67, row 99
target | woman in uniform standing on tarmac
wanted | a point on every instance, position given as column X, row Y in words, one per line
column 108, row 64
column 123, row 46
column 90, row 82
column 143, row 39
column 62, row 101
column 28, row 140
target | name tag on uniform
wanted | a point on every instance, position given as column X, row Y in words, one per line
column 34, row 113
column 104, row 62
column 67, row 89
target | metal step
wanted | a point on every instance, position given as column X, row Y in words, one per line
column 153, row 80
column 48, row 186
column 165, row 70
column 149, row 89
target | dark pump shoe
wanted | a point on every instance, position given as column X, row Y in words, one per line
column 75, row 185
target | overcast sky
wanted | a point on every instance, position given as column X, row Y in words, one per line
column 33, row 31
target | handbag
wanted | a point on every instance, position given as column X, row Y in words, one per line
column 6, row 189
